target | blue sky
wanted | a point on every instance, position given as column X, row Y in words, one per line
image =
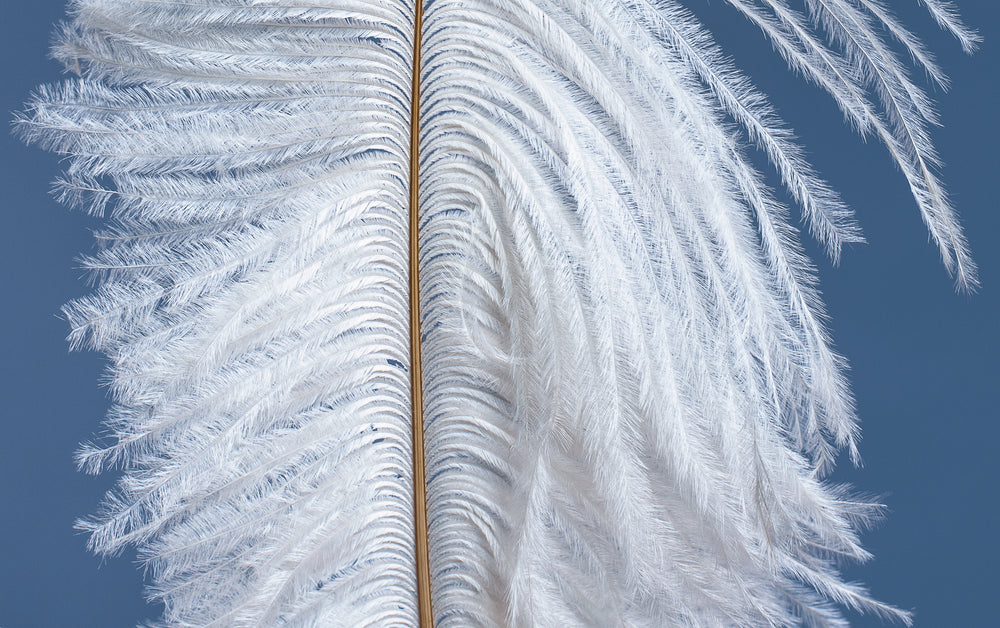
column 924, row 359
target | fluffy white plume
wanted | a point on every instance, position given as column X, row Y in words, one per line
column 631, row 400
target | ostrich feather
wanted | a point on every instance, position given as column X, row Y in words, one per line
column 629, row 398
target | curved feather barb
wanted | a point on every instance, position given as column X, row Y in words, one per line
column 629, row 400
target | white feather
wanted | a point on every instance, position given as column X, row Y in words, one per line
column 631, row 399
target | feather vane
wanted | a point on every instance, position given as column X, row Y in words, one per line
column 630, row 397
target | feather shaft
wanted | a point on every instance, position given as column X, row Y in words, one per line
column 421, row 536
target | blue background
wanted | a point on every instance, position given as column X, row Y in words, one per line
column 924, row 359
